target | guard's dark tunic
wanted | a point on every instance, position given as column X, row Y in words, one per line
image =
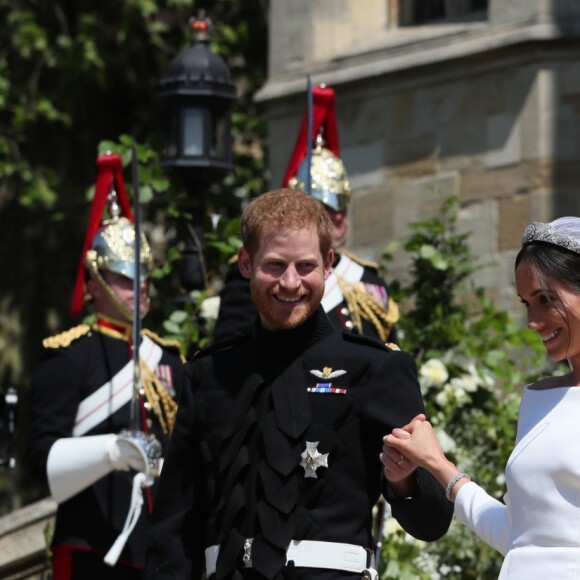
column 92, row 519
column 237, row 312
column 233, row 466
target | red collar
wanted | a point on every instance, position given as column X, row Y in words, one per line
column 113, row 327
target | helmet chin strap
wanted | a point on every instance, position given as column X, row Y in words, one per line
column 123, row 308
column 339, row 243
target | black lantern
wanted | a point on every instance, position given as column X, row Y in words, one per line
column 198, row 93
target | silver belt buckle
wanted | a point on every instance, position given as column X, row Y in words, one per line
column 247, row 557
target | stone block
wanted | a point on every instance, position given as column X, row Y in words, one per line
column 480, row 183
column 371, row 218
column 418, row 200
column 502, row 12
column 479, row 221
column 305, row 32
column 496, row 277
column 421, row 167
column 364, row 164
column 541, row 203
column 503, row 135
column 514, row 214
column 22, row 543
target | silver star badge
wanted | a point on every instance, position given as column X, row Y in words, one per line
column 312, row 459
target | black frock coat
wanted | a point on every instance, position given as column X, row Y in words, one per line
column 233, row 466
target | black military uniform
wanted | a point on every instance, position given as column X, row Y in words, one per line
column 79, row 363
column 92, row 438
column 277, row 440
column 366, row 309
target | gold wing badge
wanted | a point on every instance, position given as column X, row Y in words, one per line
column 327, row 373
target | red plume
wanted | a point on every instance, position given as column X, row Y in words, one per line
column 323, row 115
column 109, row 172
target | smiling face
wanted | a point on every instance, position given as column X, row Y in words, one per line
column 553, row 312
column 287, row 274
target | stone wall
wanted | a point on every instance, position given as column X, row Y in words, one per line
column 487, row 108
column 23, row 551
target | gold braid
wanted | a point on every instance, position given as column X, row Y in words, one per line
column 362, row 304
column 160, row 401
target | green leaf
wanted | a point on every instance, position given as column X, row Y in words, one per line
column 179, row 316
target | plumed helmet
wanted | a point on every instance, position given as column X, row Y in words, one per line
column 328, row 178
column 109, row 244
column 113, row 249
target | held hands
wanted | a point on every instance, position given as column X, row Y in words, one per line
column 397, row 465
column 416, row 442
column 398, row 468
column 417, row 445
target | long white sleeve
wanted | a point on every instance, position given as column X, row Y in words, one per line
column 484, row 515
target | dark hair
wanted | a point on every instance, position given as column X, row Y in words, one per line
column 552, row 262
column 286, row 208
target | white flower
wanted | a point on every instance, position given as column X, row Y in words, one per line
column 412, row 540
column 391, row 526
column 465, row 383
column 442, row 396
column 210, row 307
column 446, row 442
column 452, row 392
column 433, row 372
column 446, row 570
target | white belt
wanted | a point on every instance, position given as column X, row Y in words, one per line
column 309, row 554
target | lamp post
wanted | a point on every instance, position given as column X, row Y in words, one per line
column 198, row 93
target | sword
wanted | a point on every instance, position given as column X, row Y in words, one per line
column 147, row 443
column 134, row 415
column 308, row 182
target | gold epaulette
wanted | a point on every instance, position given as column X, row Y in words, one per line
column 368, row 263
column 162, row 341
column 233, row 260
column 65, row 338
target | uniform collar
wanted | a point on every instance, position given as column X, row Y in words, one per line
column 282, row 346
column 113, row 327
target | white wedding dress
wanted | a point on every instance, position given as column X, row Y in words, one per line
column 538, row 528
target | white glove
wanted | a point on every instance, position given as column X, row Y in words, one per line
column 75, row 463
column 125, row 454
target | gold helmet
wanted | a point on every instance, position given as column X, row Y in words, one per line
column 113, row 249
column 328, row 178
column 109, row 244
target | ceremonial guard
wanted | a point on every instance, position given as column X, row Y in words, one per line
column 98, row 422
column 273, row 468
column 356, row 298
